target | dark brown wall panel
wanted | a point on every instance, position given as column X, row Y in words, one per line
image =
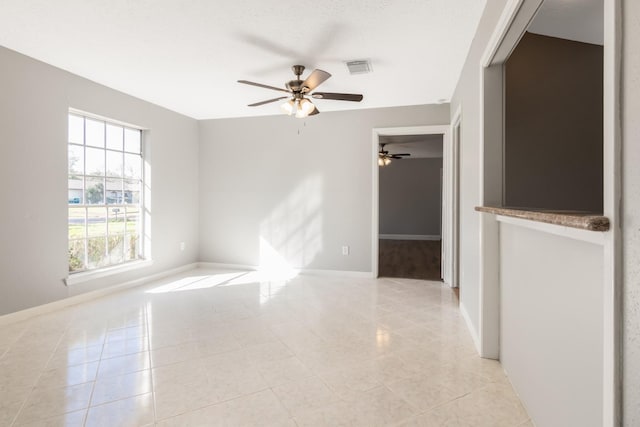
column 553, row 126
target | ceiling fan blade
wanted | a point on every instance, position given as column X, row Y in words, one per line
column 337, row 96
column 247, row 82
column 267, row 101
column 315, row 111
column 401, row 154
column 315, row 79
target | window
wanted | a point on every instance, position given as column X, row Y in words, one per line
column 105, row 192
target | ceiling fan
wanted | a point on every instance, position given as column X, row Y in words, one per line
column 384, row 157
column 299, row 92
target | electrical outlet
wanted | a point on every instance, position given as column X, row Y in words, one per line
column 182, row 246
column 345, row 250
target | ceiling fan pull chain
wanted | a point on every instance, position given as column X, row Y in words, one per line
column 304, row 125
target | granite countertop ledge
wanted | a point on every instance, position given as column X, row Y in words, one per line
column 574, row 219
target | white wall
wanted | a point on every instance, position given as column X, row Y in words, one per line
column 551, row 325
column 411, row 197
column 467, row 98
column 631, row 211
column 294, row 190
column 33, row 169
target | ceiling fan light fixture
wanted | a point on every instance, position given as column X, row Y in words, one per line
column 304, row 108
column 289, row 107
column 383, row 161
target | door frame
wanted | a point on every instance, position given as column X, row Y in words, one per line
column 447, row 206
column 456, row 137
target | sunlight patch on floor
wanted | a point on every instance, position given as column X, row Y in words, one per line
column 196, row 282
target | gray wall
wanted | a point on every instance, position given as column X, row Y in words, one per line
column 467, row 98
column 33, row 169
column 300, row 189
column 631, row 210
column 410, row 197
column 553, row 125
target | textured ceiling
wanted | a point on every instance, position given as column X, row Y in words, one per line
column 578, row 20
column 187, row 55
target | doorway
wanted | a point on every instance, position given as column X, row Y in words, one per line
column 445, row 179
column 410, row 205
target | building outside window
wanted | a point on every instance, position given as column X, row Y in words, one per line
column 105, row 193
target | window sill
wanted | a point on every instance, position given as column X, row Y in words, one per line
column 86, row 276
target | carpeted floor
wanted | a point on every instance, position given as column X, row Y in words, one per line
column 412, row 259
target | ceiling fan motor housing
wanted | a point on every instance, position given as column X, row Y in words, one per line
column 294, row 85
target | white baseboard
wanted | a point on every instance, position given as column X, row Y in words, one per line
column 306, row 271
column 470, row 327
column 338, row 273
column 28, row 313
column 224, row 266
column 409, row 237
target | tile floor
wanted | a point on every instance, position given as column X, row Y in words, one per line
column 214, row 347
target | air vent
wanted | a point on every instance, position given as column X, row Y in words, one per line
column 362, row 66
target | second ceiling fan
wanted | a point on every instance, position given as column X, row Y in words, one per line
column 298, row 91
column 384, row 157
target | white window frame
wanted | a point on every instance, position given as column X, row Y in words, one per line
column 126, row 265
